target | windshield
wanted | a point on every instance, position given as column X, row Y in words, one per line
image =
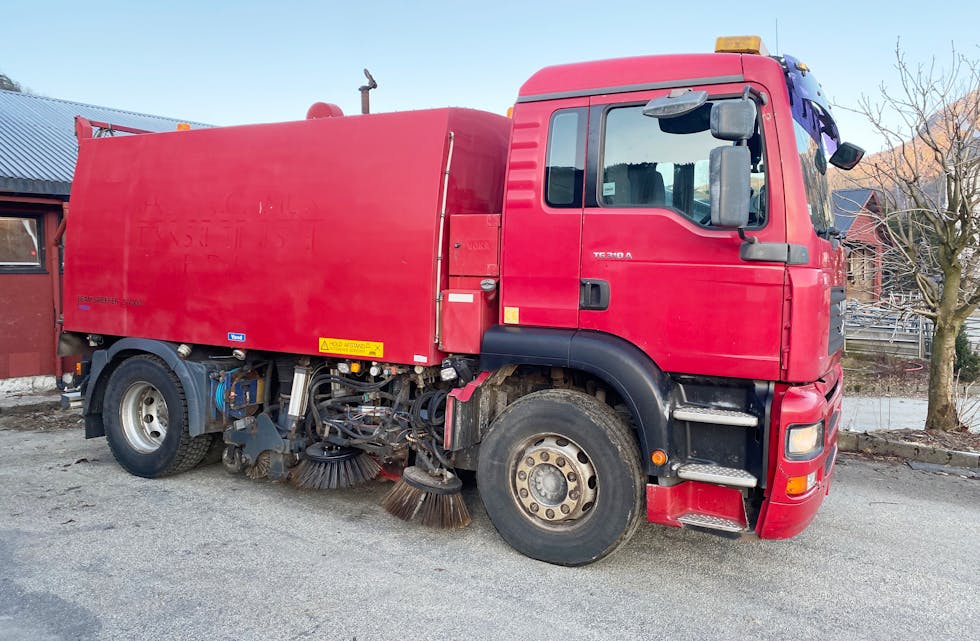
column 813, row 162
column 816, row 139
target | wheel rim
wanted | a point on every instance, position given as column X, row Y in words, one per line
column 144, row 417
column 554, row 481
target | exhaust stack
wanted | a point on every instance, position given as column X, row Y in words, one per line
column 365, row 95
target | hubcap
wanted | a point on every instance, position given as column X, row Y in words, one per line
column 554, row 479
column 144, row 417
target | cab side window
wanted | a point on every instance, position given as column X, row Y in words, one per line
column 652, row 162
column 565, row 164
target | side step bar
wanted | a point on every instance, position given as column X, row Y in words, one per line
column 710, row 522
column 71, row 400
column 716, row 474
column 715, row 416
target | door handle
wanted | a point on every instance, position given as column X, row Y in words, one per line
column 594, row 294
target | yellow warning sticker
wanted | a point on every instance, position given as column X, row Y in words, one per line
column 348, row 347
column 512, row 315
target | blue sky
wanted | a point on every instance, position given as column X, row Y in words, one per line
column 249, row 61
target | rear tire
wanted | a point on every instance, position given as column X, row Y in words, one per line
column 560, row 476
column 145, row 416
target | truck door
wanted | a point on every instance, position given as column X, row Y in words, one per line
column 653, row 270
column 542, row 222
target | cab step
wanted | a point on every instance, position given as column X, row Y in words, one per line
column 710, row 522
column 71, row 400
column 714, row 416
column 716, row 474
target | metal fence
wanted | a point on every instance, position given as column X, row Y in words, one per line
column 880, row 329
column 877, row 329
column 972, row 328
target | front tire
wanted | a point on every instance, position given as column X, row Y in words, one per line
column 145, row 415
column 560, row 477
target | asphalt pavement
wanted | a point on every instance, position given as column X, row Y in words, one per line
column 90, row 552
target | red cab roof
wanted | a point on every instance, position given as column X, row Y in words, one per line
column 606, row 76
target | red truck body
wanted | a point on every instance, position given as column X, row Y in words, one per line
column 172, row 227
column 444, row 274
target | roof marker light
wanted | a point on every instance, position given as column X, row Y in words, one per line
column 741, row 44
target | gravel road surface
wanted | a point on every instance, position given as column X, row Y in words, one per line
column 90, row 552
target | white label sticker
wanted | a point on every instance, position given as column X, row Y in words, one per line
column 418, row 358
column 608, row 189
column 461, row 298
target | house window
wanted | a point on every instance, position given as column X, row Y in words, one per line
column 21, row 244
column 861, row 272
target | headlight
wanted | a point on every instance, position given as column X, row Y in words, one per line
column 804, row 441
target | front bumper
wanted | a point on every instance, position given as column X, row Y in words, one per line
column 784, row 515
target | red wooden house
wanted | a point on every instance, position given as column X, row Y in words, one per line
column 856, row 216
column 37, row 160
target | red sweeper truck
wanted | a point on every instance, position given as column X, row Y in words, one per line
column 623, row 300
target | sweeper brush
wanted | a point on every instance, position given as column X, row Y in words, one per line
column 260, row 470
column 436, row 499
column 331, row 468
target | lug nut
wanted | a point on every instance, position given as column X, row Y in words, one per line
column 534, row 507
column 574, row 494
column 550, row 513
column 529, row 461
column 545, row 456
column 523, row 493
column 564, row 509
column 572, row 476
column 560, row 462
column 522, row 475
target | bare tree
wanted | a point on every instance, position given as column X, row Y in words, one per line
column 930, row 177
column 8, row 84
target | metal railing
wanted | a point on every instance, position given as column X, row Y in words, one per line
column 876, row 329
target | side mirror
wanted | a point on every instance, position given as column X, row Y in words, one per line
column 847, row 156
column 729, row 171
column 733, row 119
column 675, row 104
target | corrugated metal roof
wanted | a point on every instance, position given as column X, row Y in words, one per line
column 847, row 204
column 37, row 139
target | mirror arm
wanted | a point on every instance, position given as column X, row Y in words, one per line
column 747, row 239
column 761, row 97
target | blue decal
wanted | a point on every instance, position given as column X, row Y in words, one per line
column 85, row 307
column 237, row 337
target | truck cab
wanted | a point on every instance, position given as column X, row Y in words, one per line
column 608, row 237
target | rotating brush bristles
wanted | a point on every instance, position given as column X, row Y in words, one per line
column 436, row 499
column 260, row 470
column 325, row 468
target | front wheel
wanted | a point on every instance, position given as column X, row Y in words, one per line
column 560, row 477
column 146, row 420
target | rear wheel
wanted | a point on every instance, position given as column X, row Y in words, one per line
column 560, row 476
column 145, row 415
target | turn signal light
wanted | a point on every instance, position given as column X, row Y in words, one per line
column 801, row 484
column 740, row 44
column 658, row 457
column 183, row 126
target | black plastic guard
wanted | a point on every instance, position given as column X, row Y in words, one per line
column 193, row 377
column 622, row 365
